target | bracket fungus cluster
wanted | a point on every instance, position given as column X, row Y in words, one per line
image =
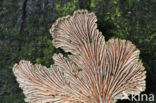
column 93, row 73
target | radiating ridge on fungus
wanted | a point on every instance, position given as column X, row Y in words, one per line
column 94, row 73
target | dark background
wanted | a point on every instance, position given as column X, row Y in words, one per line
column 24, row 34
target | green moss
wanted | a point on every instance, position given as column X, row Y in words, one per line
column 67, row 8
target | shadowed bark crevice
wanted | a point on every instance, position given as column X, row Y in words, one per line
column 23, row 15
column 22, row 24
